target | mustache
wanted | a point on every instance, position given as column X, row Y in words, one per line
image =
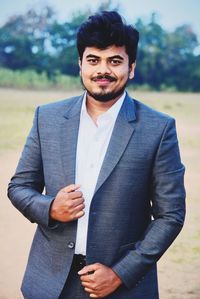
column 107, row 77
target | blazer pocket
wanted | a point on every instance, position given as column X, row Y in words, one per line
column 127, row 247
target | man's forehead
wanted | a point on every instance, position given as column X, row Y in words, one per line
column 107, row 52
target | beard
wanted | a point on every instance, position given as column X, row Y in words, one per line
column 104, row 96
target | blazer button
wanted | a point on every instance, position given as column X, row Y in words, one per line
column 71, row 245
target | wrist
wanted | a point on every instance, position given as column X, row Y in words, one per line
column 117, row 279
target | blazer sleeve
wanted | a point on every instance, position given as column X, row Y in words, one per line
column 26, row 186
column 168, row 209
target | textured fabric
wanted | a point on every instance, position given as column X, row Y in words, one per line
column 93, row 140
column 136, row 212
column 74, row 290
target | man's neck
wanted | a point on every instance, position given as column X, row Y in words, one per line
column 96, row 108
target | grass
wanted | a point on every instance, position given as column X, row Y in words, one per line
column 17, row 108
column 16, row 114
column 30, row 79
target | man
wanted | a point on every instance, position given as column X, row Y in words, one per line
column 113, row 179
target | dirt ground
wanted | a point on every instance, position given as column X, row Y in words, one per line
column 179, row 268
column 15, row 234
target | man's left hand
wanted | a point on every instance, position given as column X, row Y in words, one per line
column 99, row 280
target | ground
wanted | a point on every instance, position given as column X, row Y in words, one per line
column 179, row 276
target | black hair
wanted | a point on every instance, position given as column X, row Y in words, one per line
column 105, row 29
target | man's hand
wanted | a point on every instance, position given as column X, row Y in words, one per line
column 99, row 280
column 68, row 204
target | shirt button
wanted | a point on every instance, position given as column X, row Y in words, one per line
column 71, row 245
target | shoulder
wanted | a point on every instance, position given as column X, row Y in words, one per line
column 150, row 120
column 146, row 111
column 150, row 117
column 60, row 107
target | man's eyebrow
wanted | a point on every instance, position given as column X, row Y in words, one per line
column 92, row 56
column 116, row 57
column 111, row 57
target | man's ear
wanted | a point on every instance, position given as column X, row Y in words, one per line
column 132, row 70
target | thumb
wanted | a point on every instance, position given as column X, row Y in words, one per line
column 90, row 268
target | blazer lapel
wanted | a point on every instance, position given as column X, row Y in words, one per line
column 122, row 132
column 68, row 141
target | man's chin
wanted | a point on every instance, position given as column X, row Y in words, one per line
column 102, row 97
column 105, row 96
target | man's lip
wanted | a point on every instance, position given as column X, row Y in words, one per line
column 103, row 81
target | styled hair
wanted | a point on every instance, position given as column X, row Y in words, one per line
column 105, row 29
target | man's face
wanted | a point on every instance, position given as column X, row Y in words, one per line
column 104, row 73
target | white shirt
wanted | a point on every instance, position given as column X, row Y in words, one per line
column 93, row 140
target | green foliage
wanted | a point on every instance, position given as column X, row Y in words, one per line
column 37, row 41
column 166, row 60
column 24, row 39
column 23, row 79
column 30, row 79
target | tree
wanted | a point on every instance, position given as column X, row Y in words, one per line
column 24, row 40
column 167, row 58
column 36, row 40
column 63, row 39
column 182, row 64
column 151, row 59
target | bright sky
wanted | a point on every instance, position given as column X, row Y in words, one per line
column 171, row 13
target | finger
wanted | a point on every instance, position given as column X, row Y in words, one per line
column 75, row 212
column 94, row 296
column 75, row 202
column 87, row 285
column 89, row 268
column 70, row 205
column 89, row 290
column 87, row 278
column 71, row 188
column 79, row 215
column 75, row 194
column 78, row 208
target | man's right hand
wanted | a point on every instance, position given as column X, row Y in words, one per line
column 68, row 204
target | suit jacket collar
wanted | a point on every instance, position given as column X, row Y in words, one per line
column 75, row 107
column 122, row 132
column 127, row 110
column 68, row 139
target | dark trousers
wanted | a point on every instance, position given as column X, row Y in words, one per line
column 73, row 288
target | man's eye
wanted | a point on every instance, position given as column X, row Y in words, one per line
column 93, row 61
column 115, row 62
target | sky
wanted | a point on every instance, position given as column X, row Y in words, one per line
column 170, row 13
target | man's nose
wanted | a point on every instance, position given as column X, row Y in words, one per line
column 103, row 68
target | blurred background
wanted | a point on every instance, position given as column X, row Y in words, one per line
column 38, row 43
column 38, row 64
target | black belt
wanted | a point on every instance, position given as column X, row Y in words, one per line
column 79, row 261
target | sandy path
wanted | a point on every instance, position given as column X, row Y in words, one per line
column 15, row 234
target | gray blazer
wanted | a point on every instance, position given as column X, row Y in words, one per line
column 136, row 212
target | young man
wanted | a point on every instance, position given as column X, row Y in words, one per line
column 113, row 179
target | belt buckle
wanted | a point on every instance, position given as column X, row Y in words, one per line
column 80, row 261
